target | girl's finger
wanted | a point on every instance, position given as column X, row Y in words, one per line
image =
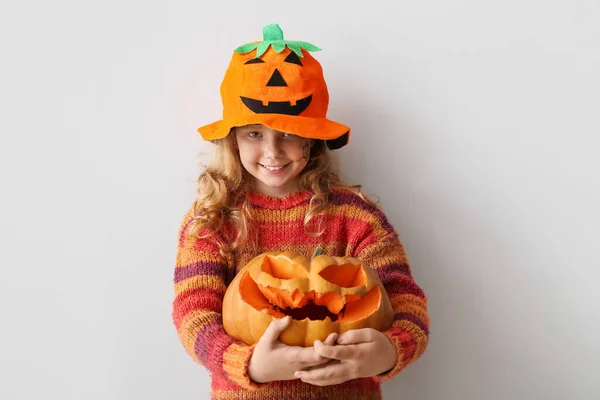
column 328, row 372
column 331, row 339
column 357, row 336
column 339, row 352
column 321, row 364
column 274, row 329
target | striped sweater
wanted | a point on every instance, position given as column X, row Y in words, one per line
column 353, row 229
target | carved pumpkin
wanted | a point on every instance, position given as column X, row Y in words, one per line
column 322, row 295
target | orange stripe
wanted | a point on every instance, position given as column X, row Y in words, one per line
column 201, row 282
column 305, row 249
column 409, row 303
column 189, row 256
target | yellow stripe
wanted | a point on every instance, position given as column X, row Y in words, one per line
column 235, row 364
column 305, row 249
column 200, row 282
column 186, row 257
column 267, row 215
column 411, row 304
column 293, row 389
column 383, row 252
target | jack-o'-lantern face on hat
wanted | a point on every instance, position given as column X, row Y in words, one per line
column 280, row 85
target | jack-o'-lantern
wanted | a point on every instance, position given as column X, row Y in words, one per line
column 322, row 295
column 277, row 83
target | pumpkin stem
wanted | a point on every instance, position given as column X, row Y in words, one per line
column 273, row 37
column 318, row 251
column 272, row 32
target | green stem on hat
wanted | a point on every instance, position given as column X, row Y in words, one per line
column 273, row 37
column 272, row 32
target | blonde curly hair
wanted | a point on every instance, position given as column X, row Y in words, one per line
column 222, row 187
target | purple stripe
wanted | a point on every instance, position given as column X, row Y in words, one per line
column 390, row 272
column 199, row 268
column 404, row 286
column 412, row 318
column 341, row 199
column 211, row 343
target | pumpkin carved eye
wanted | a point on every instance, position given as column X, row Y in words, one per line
column 254, row 61
column 322, row 295
column 293, row 59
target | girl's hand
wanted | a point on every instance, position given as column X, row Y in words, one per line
column 360, row 353
column 273, row 360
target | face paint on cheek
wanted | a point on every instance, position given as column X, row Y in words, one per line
column 305, row 153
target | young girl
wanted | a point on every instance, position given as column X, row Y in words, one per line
column 272, row 187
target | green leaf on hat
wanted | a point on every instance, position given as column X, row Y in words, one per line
column 278, row 46
column 273, row 36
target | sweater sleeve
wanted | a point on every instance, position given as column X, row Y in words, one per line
column 380, row 248
column 200, row 285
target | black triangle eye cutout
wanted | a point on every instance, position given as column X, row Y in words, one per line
column 276, row 79
column 293, row 58
column 254, row 61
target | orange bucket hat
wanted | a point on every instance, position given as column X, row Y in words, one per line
column 280, row 86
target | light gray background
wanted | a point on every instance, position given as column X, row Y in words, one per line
column 476, row 123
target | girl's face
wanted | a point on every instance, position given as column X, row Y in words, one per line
column 273, row 158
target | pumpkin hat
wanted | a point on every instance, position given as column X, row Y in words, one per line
column 279, row 85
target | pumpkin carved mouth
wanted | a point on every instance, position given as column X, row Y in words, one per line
column 279, row 302
column 277, row 107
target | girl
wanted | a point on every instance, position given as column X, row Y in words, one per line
column 273, row 187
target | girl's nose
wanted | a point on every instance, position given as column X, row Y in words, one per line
column 272, row 147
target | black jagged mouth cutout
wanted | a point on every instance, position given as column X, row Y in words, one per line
column 311, row 311
column 277, row 107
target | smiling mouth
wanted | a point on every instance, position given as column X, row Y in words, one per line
column 269, row 168
column 277, row 107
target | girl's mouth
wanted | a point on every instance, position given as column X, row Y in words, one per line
column 274, row 168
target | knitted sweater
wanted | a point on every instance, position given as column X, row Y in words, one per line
column 353, row 229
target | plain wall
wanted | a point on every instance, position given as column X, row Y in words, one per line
column 475, row 122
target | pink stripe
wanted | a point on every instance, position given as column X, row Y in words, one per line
column 197, row 299
column 338, row 229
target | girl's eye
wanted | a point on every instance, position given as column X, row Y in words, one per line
column 254, row 134
column 289, row 135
